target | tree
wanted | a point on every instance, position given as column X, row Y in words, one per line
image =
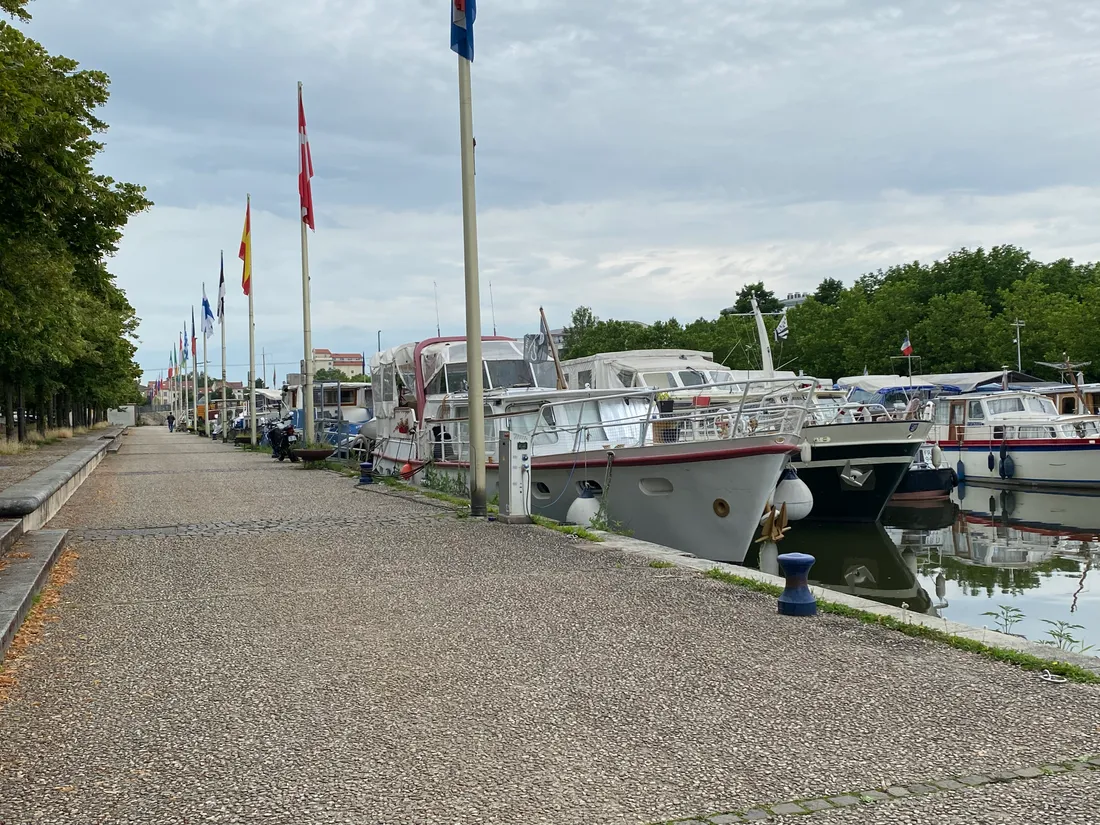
column 66, row 329
column 828, row 292
column 765, row 299
column 260, row 385
column 329, row 374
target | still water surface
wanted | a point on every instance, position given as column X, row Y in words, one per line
column 1037, row 552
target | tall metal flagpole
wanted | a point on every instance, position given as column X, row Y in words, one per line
column 307, row 333
column 205, row 367
column 251, row 339
column 221, row 322
column 473, row 295
column 194, row 375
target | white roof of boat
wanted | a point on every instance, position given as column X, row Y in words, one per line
column 640, row 359
column 878, row 383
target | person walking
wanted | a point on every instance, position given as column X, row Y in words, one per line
column 171, row 422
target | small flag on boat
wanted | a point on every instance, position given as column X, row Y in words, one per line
column 906, row 347
column 207, row 315
column 463, row 13
column 781, row 330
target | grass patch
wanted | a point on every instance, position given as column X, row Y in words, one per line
column 1026, row 661
column 567, row 529
column 661, row 565
column 15, row 447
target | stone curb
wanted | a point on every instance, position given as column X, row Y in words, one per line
column 656, row 552
column 806, row 807
column 35, row 500
column 22, row 578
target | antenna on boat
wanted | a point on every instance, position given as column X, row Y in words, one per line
column 435, row 288
column 492, row 308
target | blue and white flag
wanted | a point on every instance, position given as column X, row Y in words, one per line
column 463, row 13
column 781, row 330
column 207, row 315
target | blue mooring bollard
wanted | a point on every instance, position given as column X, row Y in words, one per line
column 365, row 470
column 796, row 599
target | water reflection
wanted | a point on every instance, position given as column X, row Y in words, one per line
column 860, row 559
column 1036, row 551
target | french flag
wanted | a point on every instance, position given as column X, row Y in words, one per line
column 906, row 347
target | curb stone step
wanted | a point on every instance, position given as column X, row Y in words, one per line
column 807, row 807
column 26, row 567
column 10, row 531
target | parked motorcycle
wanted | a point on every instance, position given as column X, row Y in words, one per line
column 282, row 437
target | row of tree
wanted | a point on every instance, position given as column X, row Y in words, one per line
column 66, row 329
column 958, row 313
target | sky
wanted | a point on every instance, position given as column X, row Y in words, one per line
column 642, row 158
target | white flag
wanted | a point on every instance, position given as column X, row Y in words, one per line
column 781, row 330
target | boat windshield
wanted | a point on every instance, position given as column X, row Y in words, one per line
column 692, row 378
column 511, row 373
column 545, row 374
column 1041, row 405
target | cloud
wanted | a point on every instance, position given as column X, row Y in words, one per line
column 645, row 158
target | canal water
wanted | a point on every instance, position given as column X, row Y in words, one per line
column 1032, row 558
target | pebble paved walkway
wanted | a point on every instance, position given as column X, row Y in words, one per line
column 246, row 641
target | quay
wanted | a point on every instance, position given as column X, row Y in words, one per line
column 242, row 641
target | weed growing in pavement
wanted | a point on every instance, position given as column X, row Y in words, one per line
column 1023, row 660
column 661, row 565
column 1061, row 638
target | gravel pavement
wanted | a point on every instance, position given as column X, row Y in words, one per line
column 16, row 468
column 302, row 651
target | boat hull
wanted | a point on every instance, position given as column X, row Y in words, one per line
column 854, row 469
column 926, row 483
column 703, row 498
column 1060, row 463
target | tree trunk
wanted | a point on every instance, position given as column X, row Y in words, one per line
column 54, row 422
column 40, row 408
column 22, row 414
column 9, row 413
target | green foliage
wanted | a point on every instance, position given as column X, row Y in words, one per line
column 66, row 329
column 329, row 375
column 765, row 298
column 957, row 312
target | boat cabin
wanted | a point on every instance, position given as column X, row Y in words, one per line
column 1006, row 416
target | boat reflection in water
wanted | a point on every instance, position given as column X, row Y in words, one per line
column 1032, row 550
column 859, row 559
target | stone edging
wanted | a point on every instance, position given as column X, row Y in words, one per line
column 656, row 552
column 35, row 500
column 889, row 794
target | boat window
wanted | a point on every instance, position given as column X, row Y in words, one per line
column 1036, row 432
column 626, row 378
column 1000, row 406
column 958, row 413
column 974, row 413
column 584, row 379
column 387, row 382
column 941, row 411
column 456, row 377
column 1043, row 405
column 504, row 374
column 438, row 384
column 546, row 375
column 691, row 378
column 1069, row 405
column 584, row 417
column 659, row 380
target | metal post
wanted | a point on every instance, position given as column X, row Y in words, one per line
column 251, row 350
column 225, row 390
column 1018, row 324
column 205, row 367
column 473, row 296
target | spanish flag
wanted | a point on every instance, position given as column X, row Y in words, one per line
column 246, row 249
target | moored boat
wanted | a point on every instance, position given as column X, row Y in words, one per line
column 696, row 479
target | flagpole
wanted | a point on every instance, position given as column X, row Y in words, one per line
column 473, row 295
column 307, row 379
column 205, row 366
column 251, row 341
column 194, row 374
column 225, row 391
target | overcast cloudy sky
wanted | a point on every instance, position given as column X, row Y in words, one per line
column 642, row 157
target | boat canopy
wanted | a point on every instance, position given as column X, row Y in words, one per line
column 883, row 384
column 615, row 370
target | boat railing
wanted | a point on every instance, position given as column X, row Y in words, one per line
column 628, row 418
column 855, row 412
